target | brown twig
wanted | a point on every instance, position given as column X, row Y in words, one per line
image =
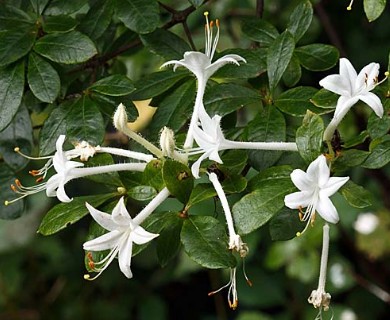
column 259, row 8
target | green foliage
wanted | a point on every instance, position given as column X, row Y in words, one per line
column 374, row 8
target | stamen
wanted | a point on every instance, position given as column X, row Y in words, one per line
column 245, row 275
column 17, row 150
column 349, row 8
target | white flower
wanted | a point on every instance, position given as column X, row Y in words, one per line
column 123, row 231
column 352, row 87
column 211, row 140
column 201, row 65
column 316, row 186
column 366, row 223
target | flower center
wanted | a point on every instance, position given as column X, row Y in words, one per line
column 210, row 44
column 310, row 213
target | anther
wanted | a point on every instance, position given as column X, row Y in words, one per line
column 40, row 179
column 349, row 8
column 17, row 182
column 217, row 22
column 17, row 149
column 6, row 202
column 211, row 24
column 233, row 305
column 13, row 188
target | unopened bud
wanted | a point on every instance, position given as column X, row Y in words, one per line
column 167, row 142
column 120, row 117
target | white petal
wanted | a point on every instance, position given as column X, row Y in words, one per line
column 120, row 215
column 313, row 170
column 366, row 80
column 301, row 180
column 298, row 199
column 323, row 171
column 140, row 236
column 335, row 83
column 196, row 165
column 343, row 106
column 106, row 241
column 327, row 210
column 61, row 194
column 102, row 218
column 60, row 142
column 348, row 72
column 333, row 185
column 216, row 65
column 52, row 185
column 124, row 257
column 373, row 101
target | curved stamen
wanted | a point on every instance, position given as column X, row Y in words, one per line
column 349, row 8
column 17, row 150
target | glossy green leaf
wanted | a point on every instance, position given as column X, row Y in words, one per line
column 297, row 101
column 141, row 16
column 378, row 127
column 165, row 44
column 309, row 137
column 196, row 3
column 356, row 195
column 60, row 23
column 325, row 99
column 58, row 7
column 259, row 30
column 115, row 85
column 11, row 16
column 65, row 214
column 267, row 126
column 178, row 179
column 234, row 183
column 254, row 66
column 13, row 210
column 19, row 133
column 293, row 72
column 16, row 43
column 67, row 48
column 356, row 140
column 98, row 18
column 234, row 161
column 108, row 179
column 153, row 175
column 156, row 83
column 11, row 92
column 205, row 241
column 300, row 19
column 350, row 158
column 226, row 98
column 174, row 109
column 374, row 8
column 270, row 177
column 168, row 243
column 108, row 104
column 38, row 5
column 380, row 153
column 317, row 57
column 201, row 192
column 142, row 193
column 285, row 225
column 43, row 79
column 278, row 57
column 258, row 207
column 84, row 122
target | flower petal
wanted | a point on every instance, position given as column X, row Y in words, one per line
column 367, row 78
column 373, row 101
column 348, row 73
column 335, row 83
column 120, row 215
column 61, row 194
column 343, row 106
column 196, row 165
column 333, row 185
column 102, row 218
column 140, row 236
column 106, row 241
column 298, row 199
column 302, row 180
column 318, row 169
column 124, row 257
column 216, row 65
column 326, row 209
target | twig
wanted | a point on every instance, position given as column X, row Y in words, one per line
column 259, row 8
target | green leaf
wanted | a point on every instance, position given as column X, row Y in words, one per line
column 356, row 195
column 317, row 57
column 108, row 104
column 178, row 179
column 115, row 85
column 285, row 225
column 259, row 30
column 267, row 126
column 293, row 72
column 141, row 16
column 374, row 8
column 84, row 122
column 13, row 210
column 64, row 214
column 201, row 192
column 325, row 99
column 153, row 175
column 156, row 83
column 226, row 98
column 378, row 127
column 11, row 16
column 165, row 44
column 43, row 79
column 168, row 243
column 356, row 140
column 38, row 5
column 234, row 161
column 174, row 109
column 58, row 7
column 205, row 241
column 98, row 18
column 67, row 48
column 270, row 177
column 11, row 92
column 196, row 3
column 142, row 193
column 60, row 23
column 234, row 183
column 108, row 179
column 300, row 20
column 259, row 206
column 53, row 127
column 19, row 133
column 379, row 153
column 309, row 137
column 278, row 57
column 16, row 43
column 350, row 158
column 255, row 64
column 297, row 101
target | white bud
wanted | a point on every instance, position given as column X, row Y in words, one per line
column 120, row 118
column 167, row 142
